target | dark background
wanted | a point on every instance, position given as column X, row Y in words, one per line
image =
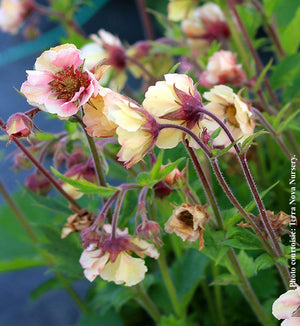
column 55, row 307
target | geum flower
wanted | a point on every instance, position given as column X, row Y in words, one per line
column 287, row 307
column 222, row 68
column 106, row 53
column 177, row 101
column 111, row 258
column 188, row 221
column 59, row 84
column 136, row 130
column 232, row 110
column 13, row 14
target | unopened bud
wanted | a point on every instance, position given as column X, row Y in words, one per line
column 38, row 183
column 150, row 230
column 19, row 125
column 162, row 189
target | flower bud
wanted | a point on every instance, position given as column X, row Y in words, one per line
column 162, row 189
column 19, row 125
column 173, row 177
column 38, row 183
column 149, row 230
column 21, row 162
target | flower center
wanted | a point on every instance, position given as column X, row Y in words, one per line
column 187, row 218
column 68, row 82
column 231, row 112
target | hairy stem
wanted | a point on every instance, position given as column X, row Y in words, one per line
column 146, row 21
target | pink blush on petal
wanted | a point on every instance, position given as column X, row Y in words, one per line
column 38, row 78
column 67, row 58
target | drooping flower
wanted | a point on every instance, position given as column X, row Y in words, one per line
column 38, row 183
column 287, row 307
column 222, row 68
column 111, row 258
column 107, row 51
column 174, row 100
column 13, row 14
column 230, row 108
column 19, row 125
column 137, row 131
column 59, row 84
column 188, row 222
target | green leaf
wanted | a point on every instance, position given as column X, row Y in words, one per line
column 107, row 318
column 264, row 261
column 256, row 86
column 220, row 152
column 171, row 321
column 143, row 179
column 215, row 134
column 290, row 36
column 173, row 69
column 50, row 284
column 270, row 6
column 287, row 121
column 249, row 140
column 280, row 115
column 247, row 264
column 49, row 203
column 190, row 268
column 223, row 279
column 70, row 127
column 242, row 238
column 20, row 263
column 87, row 187
column 66, row 251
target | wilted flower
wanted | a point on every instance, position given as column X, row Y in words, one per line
column 287, row 307
column 77, row 222
column 111, row 259
column 231, row 108
column 222, row 68
column 13, row 14
column 177, row 100
column 180, row 9
column 59, row 84
column 19, row 125
column 188, row 222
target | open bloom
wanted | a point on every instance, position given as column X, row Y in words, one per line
column 174, row 100
column 59, row 84
column 222, row 68
column 231, row 109
column 287, row 307
column 13, row 13
column 111, row 259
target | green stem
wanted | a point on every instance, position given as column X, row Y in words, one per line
column 169, row 284
column 35, row 240
column 145, row 301
column 210, row 302
column 218, row 296
column 94, row 153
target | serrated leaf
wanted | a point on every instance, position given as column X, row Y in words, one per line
column 87, row 187
column 264, row 261
column 247, row 263
column 242, row 238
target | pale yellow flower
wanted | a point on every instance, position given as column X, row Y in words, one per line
column 180, row 9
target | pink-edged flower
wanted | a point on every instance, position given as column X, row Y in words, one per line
column 13, row 14
column 19, row 125
column 230, row 108
column 111, row 258
column 222, row 68
column 287, row 307
column 188, row 221
column 59, row 84
column 174, row 100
